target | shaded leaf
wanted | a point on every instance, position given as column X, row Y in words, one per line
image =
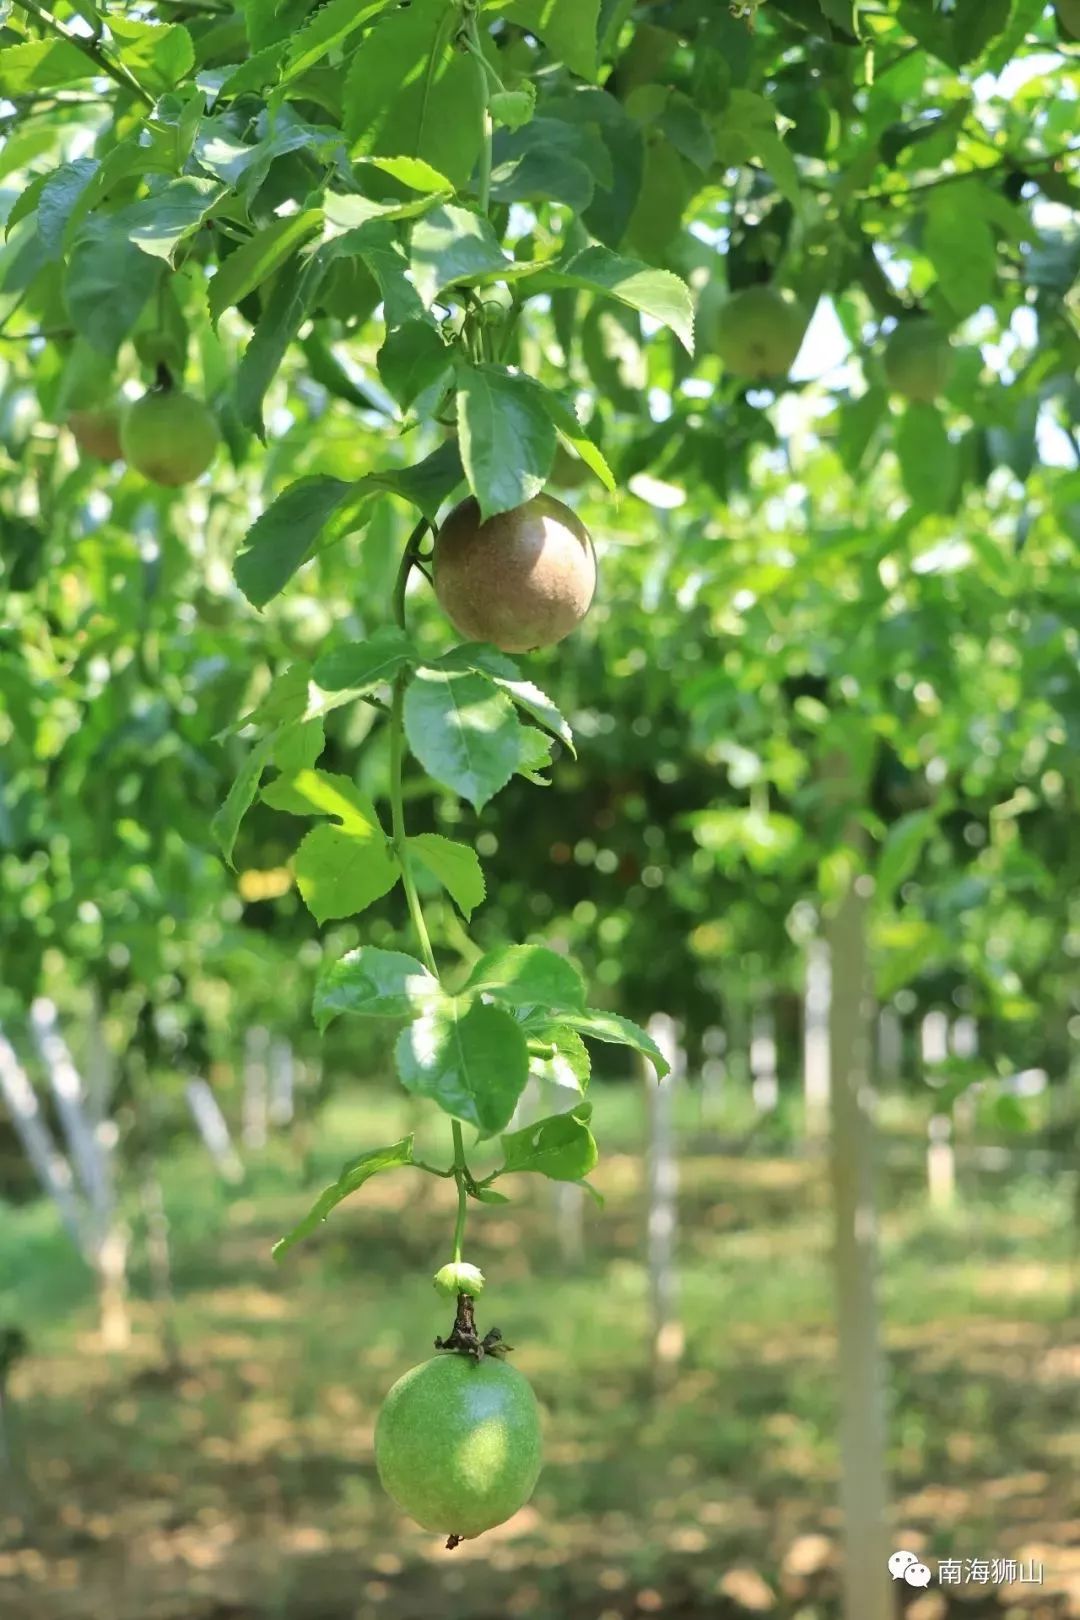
column 560, row 1147
column 371, row 983
column 351, row 1179
column 363, row 664
column 464, row 732
column 528, row 975
column 456, row 866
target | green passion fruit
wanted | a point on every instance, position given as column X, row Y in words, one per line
column 97, row 432
column 458, row 1445
column 918, row 359
column 169, row 437
column 524, row 579
column 757, row 332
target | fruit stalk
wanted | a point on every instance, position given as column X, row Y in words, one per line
column 410, row 559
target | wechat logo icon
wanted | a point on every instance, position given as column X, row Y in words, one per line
column 905, row 1566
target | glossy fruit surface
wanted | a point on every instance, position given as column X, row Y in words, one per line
column 457, row 1443
column 523, row 579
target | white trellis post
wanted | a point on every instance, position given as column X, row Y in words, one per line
column 817, row 997
column 766, row 1084
column 213, row 1128
column 256, row 1087
column 940, row 1153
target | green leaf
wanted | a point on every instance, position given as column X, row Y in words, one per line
column 904, row 843
column 412, row 359
column 507, row 438
column 324, row 31
column 285, row 536
column 351, row 1179
column 256, row 73
column 59, row 198
column 297, row 746
column 656, row 293
column 550, row 159
column 108, row 282
column 464, row 732
column 226, row 823
column 373, row 984
column 294, row 292
column 564, row 417
column 456, row 866
column 561, row 1058
column 959, row 243
column 44, row 64
column 616, row 1031
column 410, row 93
column 561, row 1147
column 324, row 793
column 567, row 27
column 361, row 665
column 488, row 1195
column 383, row 255
column 343, row 870
column 593, row 112
column 159, row 57
column 412, row 172
column 470, row 1059
column 449, row 245
column 348, row 211
column 158, row 223
column 257, row 259
column 927, row 455
column 527, row 976
column 505, row 673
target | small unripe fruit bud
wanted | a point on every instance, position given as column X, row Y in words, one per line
column 458, row 1277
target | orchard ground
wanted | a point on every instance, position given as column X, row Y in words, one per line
column 244, row 1488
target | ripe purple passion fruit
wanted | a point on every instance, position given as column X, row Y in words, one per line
column 457, row 1443
column 523, row 579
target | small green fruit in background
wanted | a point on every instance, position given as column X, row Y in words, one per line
column 524, row 579
column 1068, row 12
column 168, row 436
column 757, row 332
column 457, row 1443
column 918, row 360
column 97, row 432
column 458, row 1277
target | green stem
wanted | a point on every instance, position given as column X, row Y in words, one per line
column 409, row 560
column 460, row 1172
column 89, row 48
column 483, row 192
column 490, row 83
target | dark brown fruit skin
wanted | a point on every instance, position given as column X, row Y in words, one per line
column 524, row 579
column 97, row 432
